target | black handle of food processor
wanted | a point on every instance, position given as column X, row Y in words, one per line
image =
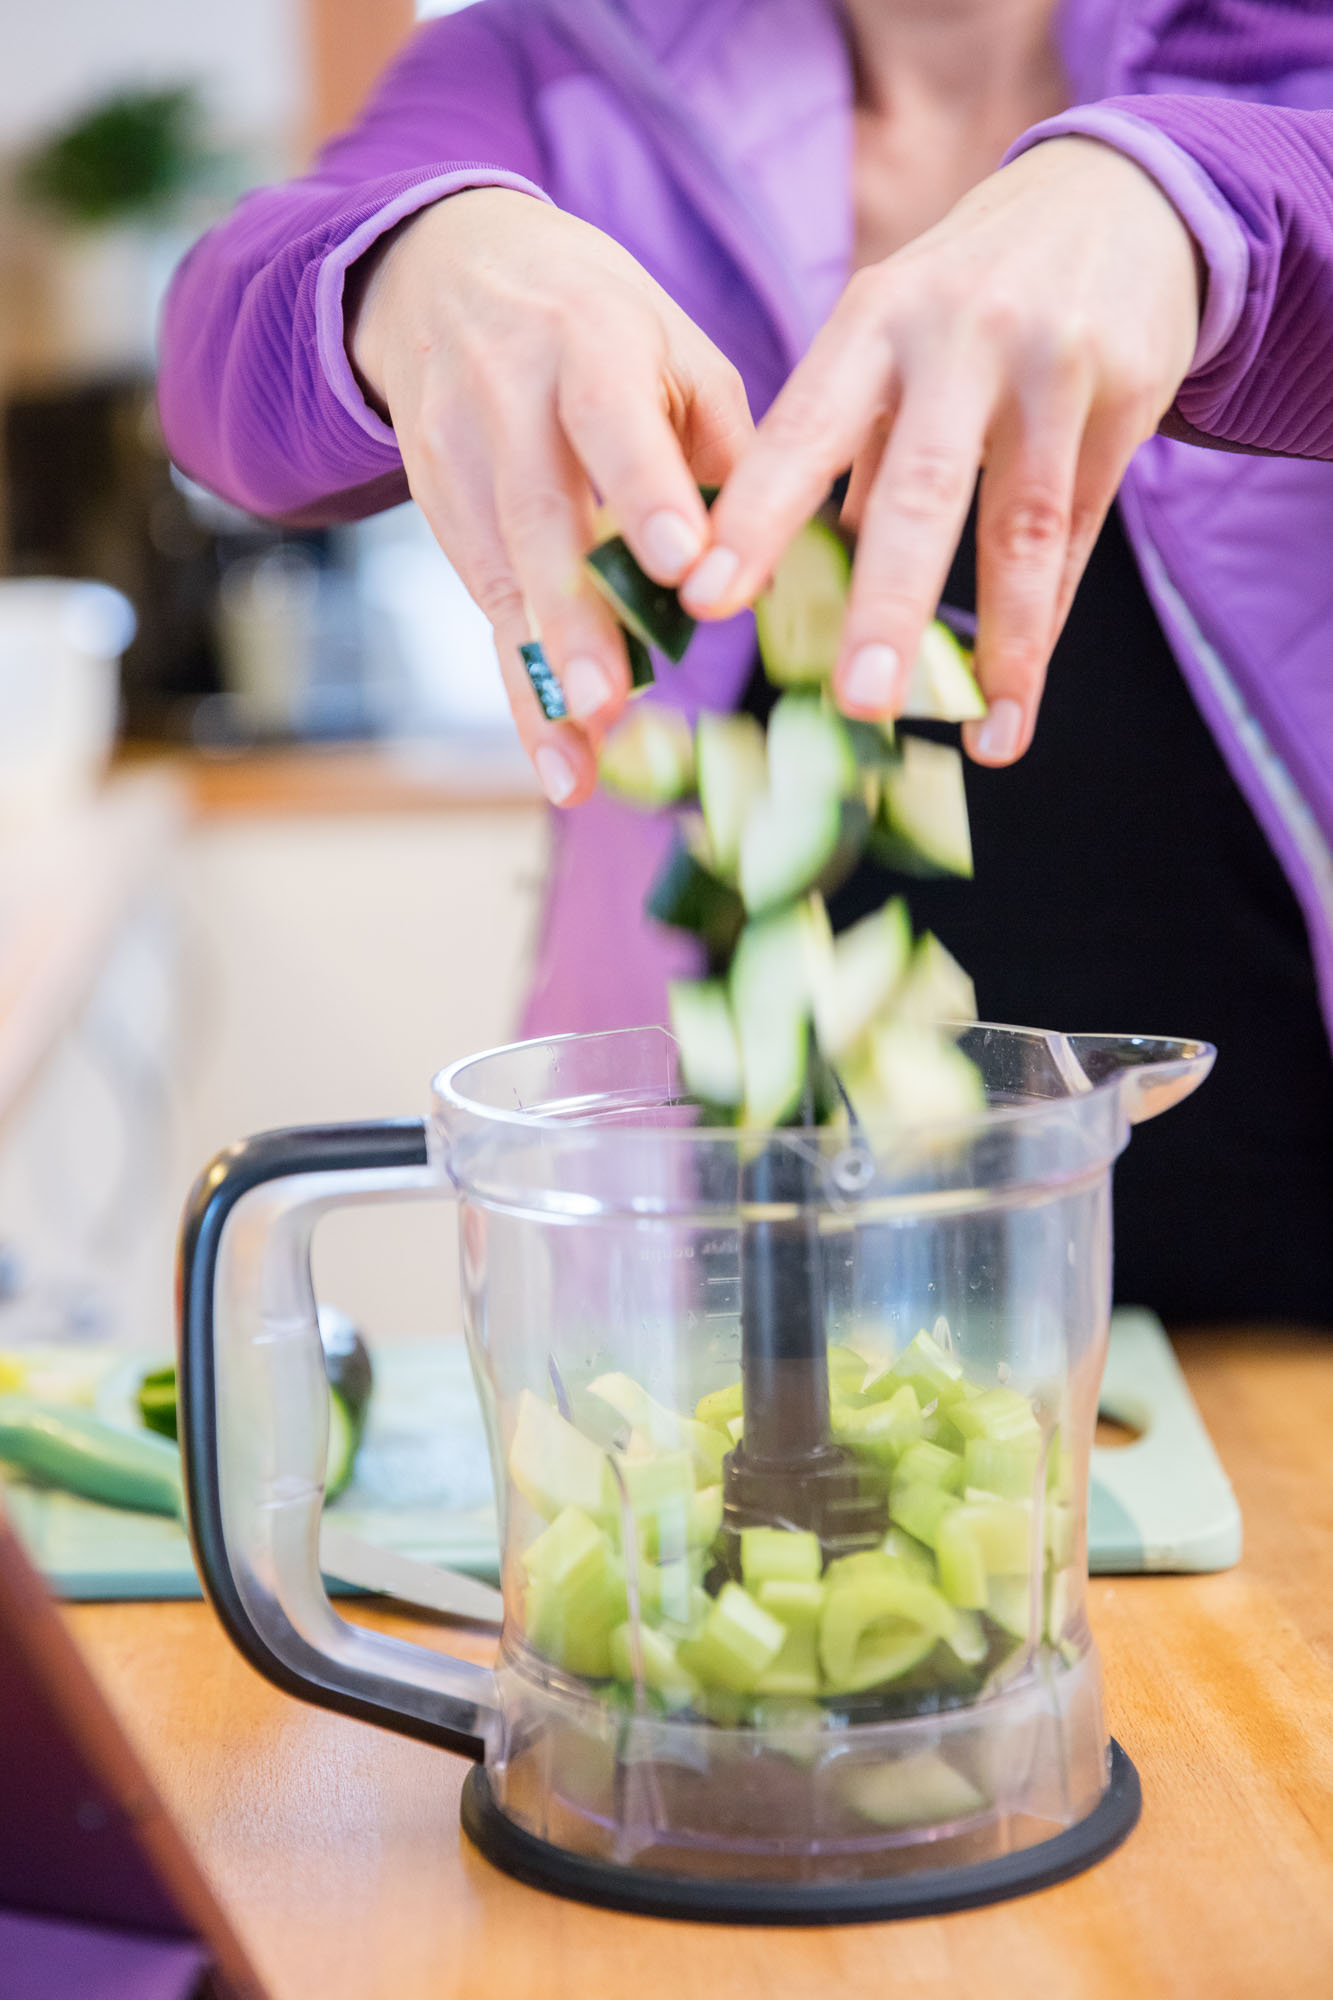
column 385, row 1145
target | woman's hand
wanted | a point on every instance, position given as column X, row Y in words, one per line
column 1038, row 335
column 525, row 359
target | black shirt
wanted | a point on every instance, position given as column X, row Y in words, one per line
column 1123, row 884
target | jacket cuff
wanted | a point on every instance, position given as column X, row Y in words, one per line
column 330, row 326
column 1201, row 206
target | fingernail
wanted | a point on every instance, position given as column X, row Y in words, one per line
column 999, row 734
column 871, row 679
column 587, row 686
column 553, row 770
column 711, row 580
column 669, row 542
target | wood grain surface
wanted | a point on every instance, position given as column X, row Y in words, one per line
column 337, row 1849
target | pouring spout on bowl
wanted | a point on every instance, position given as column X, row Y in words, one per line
column 1154, row 1072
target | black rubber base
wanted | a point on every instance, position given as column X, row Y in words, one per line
column 928, row 1894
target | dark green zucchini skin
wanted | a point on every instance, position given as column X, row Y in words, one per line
column 689, row 897
column 346, row 1363
column 652, row 612
column 641, row 673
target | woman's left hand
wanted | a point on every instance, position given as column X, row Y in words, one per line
column 1037, row 335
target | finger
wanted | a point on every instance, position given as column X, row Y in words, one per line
column 865, row 470
column 913, row 516
column 812, row 432
column 622, row 411
column 1109, row 443
column 1024, row 523
column 462, row 517
column 543, row 515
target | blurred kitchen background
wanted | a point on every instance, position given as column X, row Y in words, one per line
column 268, row 851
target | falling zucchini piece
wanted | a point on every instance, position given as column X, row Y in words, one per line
column 710, row 1050
column 922, row 827
column 648, row 758
column 855, row 976
column 811, row 752
column 790, row 845
column 798, row 620
column 651, row 612
column 943, row 687
column 689, row 895
column 936, row 987
column 732, row 763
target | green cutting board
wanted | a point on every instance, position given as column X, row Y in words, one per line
column 423, row 1479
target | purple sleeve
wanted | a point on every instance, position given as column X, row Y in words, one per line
column 258, row 399
column 1254, row 185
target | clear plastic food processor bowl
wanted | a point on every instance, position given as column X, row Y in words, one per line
column 790, row 1434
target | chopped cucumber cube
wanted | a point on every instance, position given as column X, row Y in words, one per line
column 1011, row 1602
column 710, row 1050
column 732, row 766
column 922, row 827
column 917, row 1790
column 567, row 1553
column 719, row 1406
column 659, row 1663
column 877, row 1625
column 810, row 751
column 770, row 1003
column 770, row 1555
column 798, row 1604
column 555, row 1466
column 1003, row 1416
column 795, row 1671
column 920, row 1509
column 933, row 1466
column 962, row 1564
column 910, row 1554
column 1008, row 1468
column 739, row 1641
column 880, row 1431
column 648, row 758
column 798, row 620
column 943, row 687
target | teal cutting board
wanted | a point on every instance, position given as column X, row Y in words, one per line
column 423, row 1481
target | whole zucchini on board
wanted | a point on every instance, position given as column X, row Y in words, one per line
column 351, row 1380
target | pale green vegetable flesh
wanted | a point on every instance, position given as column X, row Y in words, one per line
column 629, row 1582
column 923, row 824
column 648, row 758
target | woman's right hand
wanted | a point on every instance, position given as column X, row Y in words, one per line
column 530, row 367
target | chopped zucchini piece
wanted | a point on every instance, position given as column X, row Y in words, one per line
column 651, row 611
column 880, row 1431
column 913, row 1078
column 917, row 1790
column 1002, row 1416
column 555, row 1466
column 798, row 620
column 877, row 1626
column 732, row 766
column 798, row 1604
column 810, row 752
column 773, row 1555
column 738, row 1643
column 770, row 987
column 919, row 1509
column 962, row 1564
column 658, row 1659
column 648, row 758
column 1004, row 1467
column 795, row 1671
column 932, row 1465
column 855, row 976
column 689, row 895
column 719, row 1406
column 922, row 827
column 710, row 1050
column 943, row 687
column 789, row 845
column 935, row 988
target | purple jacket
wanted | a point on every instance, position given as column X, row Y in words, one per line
column 713, row 139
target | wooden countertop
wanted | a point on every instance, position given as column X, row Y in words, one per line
column 337, row 1849
column 475, row 774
